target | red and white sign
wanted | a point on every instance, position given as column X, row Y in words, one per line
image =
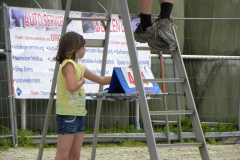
column 146, row 73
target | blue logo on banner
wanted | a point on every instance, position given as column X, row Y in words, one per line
column 19, row 91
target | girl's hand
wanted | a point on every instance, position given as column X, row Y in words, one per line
column 96, row 78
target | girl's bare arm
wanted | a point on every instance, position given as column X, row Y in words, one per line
column 96, row 78
column 69, row 72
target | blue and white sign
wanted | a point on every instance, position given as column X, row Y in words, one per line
column 123, row 81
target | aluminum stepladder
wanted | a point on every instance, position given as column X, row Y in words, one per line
column 183, row 79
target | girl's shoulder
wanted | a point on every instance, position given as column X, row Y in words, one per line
column 67, row 61
column 82, row 67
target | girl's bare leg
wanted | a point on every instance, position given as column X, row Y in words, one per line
column 76, row 147
column 64, row 144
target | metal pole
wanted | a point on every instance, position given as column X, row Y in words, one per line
column 14, row 111
column 23, row 103
column 9, row 72
column 95, row 135
column 177, row 102
column 52, row 92
column 13, row 99
column 103, row 69
column 207, row 57
column 48, row 112
column 155, row 16
column 239, row 109
column 164, row 96
column 207, row 19
column 190, row 100
column 138, row 79
column 137, row 124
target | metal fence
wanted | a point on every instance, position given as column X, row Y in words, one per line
column 214, row 81
column 7, row 110
column 214, row 76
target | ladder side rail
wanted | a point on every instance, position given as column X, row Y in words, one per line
column 88, row 19
column 52, row 92
column 138, row 80
column 174, row 80
column 107, row 36
column 103, row 68
column 190, row 101
column 177, row 103
column 96, row 127
column 164, row 96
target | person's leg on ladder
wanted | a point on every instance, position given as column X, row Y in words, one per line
column 166, row 9
column 146, row 31
column 164, row 23
column 145, row 21
column 145, row 14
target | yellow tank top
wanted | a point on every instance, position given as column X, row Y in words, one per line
column 70, row 103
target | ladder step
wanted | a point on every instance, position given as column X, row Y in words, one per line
column 95, row 42
column 154, row 16
column 131, row 95
column 180, row 145
column 149, row 48
column 156, row 122
column 156, row 113
column 165, row 80
column 88, row 19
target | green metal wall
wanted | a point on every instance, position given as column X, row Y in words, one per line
column 217, row 81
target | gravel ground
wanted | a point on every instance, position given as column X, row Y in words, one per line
column 217, row 152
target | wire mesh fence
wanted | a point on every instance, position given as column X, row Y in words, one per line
column 214, row 81
column 7, row 127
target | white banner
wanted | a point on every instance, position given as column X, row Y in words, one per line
column 34, row 37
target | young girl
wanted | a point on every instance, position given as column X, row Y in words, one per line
column 70, row 104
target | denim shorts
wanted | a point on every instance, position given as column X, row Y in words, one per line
column 70, row 124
